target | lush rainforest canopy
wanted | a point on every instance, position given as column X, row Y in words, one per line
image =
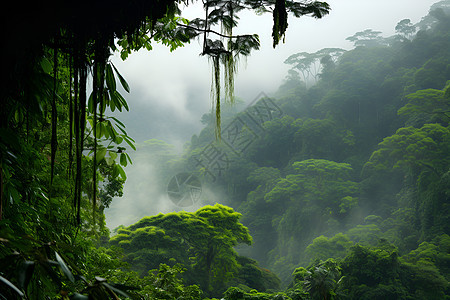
column 339, row 189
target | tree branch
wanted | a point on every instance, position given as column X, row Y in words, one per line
column 213, row 31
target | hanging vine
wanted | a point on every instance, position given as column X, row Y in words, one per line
column 84, row 48
column 54, row 119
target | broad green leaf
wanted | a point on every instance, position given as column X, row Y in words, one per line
column 46, row 65
column 105, row 103
column 115, row 172
column 115, row 101
column 110, row 129
column 122, row 130
column 118, row 140
column 106, row 131
column 14, row 195
column 112, row 104
column 64, row 267
column 129, row 141
column 122, row 80
column 123, row 159
column 110, row 80
column 109, row 161
column 118, row 122
column 129, row 159
column 122, row 100
column 113, row 154
column 121, row 172
column 99, row 130
column 101, row 154
column 90, row 120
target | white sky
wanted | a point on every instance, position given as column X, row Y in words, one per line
column 170, row 91
column 176, row 85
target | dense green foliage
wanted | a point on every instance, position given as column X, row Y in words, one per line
column 62, row 154
column 342, row 190
column 203, row 242
column 355, row 168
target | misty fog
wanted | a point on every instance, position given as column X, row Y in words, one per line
column 246, row 153
column 170, row 91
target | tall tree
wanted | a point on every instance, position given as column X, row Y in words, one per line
column 204, row 241
column 366, row 38
column 405, row 28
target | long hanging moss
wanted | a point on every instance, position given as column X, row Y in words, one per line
column 221, row 56
column 280, row 23
column 215, row 93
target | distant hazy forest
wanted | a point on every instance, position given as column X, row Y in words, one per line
column 336, row 186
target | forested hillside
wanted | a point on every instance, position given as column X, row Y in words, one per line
column 337, row 186
column 347, row 166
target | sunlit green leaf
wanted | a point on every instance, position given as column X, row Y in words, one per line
column 113, row 154
column 130, row 142
column 106, row 131
column 123, row 159
column 121, row 172
column 118, row 140
column 90, row 120
column 109, row 160
column 115, row 172
column 99, row 130
column 101, row 154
